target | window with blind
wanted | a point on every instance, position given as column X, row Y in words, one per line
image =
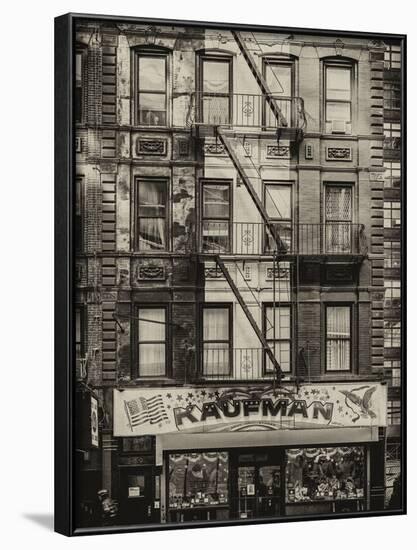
column 338, row 97
column 217, row 340
column 216, row 214
column 338, row 338
column 278, row 205
column 215, row 89
column 152, row 341
column 338, row 219
column 151, row 90
column 277, row 331
column 152, row 215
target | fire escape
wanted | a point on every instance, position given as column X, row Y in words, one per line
column 279, row 118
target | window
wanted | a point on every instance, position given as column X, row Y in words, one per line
column 392, row 334
column 78, row 88
column 151, row 88
column 215, row 89
column 152, row 340
column 216, row 214
column 80, row 344
column 394, row 412
column 338, row 338
column 338, row 98
column 394, row 367
column 277, row 331
column 279, row 76
column 392, row 136
column 392, row 214
column 392, row 57
column 392, row 254
column 78, row 220
column 217, row 343
column 278, row 205
column 392, row 95
column 338, row 223
column 152, row 215
column 392, row 296
column 392, row 175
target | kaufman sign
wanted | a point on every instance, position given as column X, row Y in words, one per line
column 210, row 409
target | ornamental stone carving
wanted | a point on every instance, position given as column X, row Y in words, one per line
column 339, row 153
column 151, row 147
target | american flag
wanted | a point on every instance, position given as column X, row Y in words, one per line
column 141, row 410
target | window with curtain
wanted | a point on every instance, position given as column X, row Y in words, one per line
column 151, row 88
column 277, row 331
column 152, row 215
column 279, row 76
column 152, row 341
column 217, row 343
column 338, row 97
column 216, row 217
column 338, row 338
column 338, row 222
column 215, row 86
column 278, row 205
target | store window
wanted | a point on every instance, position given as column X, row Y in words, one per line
column 320, row 474
column 392, row 334
column 392, row 214
column 277, row 331
column 152, row 341
column 392, row 254
column 338, row 338
column 394, row 412
column 278, row 206
column 338, row 97
column 198, row 480
column 392, row 175
column 152, row 215
column 392, row 96
column 217, row 343
column 216, row 214
column 392, row 295
column 215, row 103
column 338, row 219
column 151, row 88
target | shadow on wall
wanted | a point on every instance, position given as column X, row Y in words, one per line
column 44, row 520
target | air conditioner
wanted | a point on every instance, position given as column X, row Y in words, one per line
column 338, row 127
column 78, row 145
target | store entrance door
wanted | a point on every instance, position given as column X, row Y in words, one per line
column 258, row 486
column 136, row 495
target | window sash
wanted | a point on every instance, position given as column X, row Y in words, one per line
column 151, row 99
column 338, row 338
column 338, row 97
column 216, row 94
column 216, row 225
column 280, row 344
column 152, row 214
column 152, row 341
column 216, row 341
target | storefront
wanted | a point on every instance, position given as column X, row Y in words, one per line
column 260, row 456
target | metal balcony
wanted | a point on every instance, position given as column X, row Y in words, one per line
column 246, row 110
column 237, row 364
column 307, row 239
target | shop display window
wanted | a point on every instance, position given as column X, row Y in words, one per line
column 329, row 473
column 198, row 480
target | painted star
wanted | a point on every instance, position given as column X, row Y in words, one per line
column 204, row 393
column 190, row 395
column 210, row 395
column 169, row 395
column 179, row 398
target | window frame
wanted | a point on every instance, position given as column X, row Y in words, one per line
column 391, row 327
column 390, row 50
column 166, row 182
column 79, row 213
column 217, row 305
column 391, row 206
column 216, row 57
column 150, row 52
column 136, row 340
column 265, row 307
column 392, row 95
column 207, row 182
column 392, row 167
column 284, row 221
column 278, row 61
column 351, row 308
column 80, row 50
column 345, row 64
column 392, row 254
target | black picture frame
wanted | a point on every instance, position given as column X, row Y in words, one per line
column 65, row 269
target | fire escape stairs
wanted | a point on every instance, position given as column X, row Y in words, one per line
column 277, row 368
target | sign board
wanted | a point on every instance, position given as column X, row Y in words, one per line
column 94, row 422
column 145, row 411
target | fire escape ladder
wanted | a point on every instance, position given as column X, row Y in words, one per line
column 273, row 229
column 258, row 332
column 260, row 79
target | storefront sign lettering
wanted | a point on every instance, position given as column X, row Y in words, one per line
column 144, row 411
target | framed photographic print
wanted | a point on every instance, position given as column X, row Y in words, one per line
column 230, row 297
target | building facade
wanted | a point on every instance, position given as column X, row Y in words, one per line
column 237, row 273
